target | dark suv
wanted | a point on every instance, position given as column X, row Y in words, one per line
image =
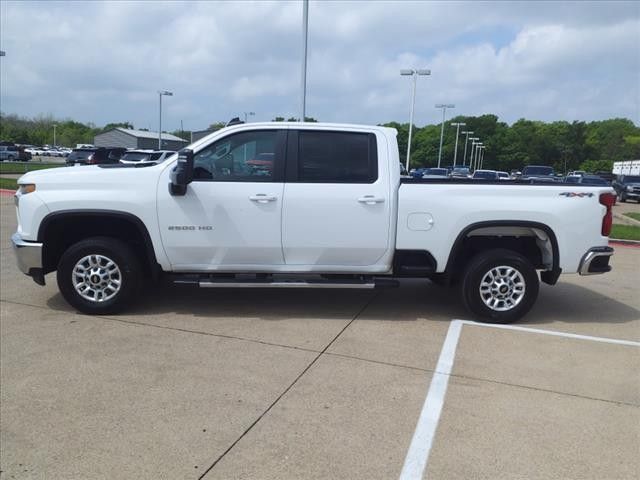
column 95, row 156
column 627, row 187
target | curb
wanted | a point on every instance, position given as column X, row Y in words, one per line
column 626, row 220
column 624, row 243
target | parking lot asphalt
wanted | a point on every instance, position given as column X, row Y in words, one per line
column 277, row 384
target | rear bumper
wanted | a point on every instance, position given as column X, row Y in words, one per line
column 29, row 257
column 596, row 261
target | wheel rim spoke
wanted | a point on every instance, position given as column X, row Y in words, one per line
column 96, row 278
column 502, row 288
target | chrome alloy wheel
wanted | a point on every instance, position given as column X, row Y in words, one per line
column 502, row 288
column 96, row 278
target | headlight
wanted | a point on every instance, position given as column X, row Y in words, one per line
column 629, row 188
column 26, row 188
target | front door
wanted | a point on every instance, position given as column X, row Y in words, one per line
column 230, row 217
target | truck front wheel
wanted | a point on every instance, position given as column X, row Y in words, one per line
column 499, row 286
column 99, row 275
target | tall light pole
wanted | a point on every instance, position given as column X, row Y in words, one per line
column 466, row 139
column 414, row 73
column 54, row 134
column 455, row 150
column 248, row 113
column 482, row 149
column 161, row 93
column 474, row 144
column 444, row 107
column 476, row 151
column 305, row 29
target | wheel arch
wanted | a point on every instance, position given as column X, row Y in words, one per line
column 59, row 230
column 508, row 229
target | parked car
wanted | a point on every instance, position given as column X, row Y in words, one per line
column 485, row 175
column 95, row 156
column 145, row 157
column 14, row 153
column 627, row 187
column 586, row 179
column 503, row 175
column 110, row 231
column 435, row 173
column 538, row 173
column 460, row 172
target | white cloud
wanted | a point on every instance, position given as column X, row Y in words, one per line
column 104, row 61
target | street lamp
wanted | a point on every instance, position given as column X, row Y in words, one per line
column 54, row 135
column 248, row 113
column 414, row 73
column 474, row 144
column 444, row 107
column 305, row 29
column 466, row 139
column 161, row 93
column 482, row 149
column 476, row 151
column 455, row 150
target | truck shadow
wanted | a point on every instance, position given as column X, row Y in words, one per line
column 414, row 300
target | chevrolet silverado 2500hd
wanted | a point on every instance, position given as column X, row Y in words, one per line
column 307, row 206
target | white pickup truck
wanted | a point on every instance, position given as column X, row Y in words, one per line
column 266, row 205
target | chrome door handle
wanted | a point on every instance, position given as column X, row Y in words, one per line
column 262, row 198
column 371, row 199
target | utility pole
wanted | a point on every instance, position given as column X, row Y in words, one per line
column 305, row 29
column 444, row 107
column 414, row 73
column 455, row 150
column 466, row 139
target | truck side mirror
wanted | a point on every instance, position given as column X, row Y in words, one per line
column 182, row 174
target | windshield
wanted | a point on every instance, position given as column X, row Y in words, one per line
column 441, row 172
column 634, row 179
column 135, row 156
column 80, row 154
column 537, row 171
column 485, row 175
column 503, row 174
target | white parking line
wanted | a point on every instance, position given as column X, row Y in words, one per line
column 415, row 462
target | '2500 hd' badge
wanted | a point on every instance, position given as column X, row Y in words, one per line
column 190, row 227
column 576, row 194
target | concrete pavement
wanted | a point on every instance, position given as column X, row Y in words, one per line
column 316, row 384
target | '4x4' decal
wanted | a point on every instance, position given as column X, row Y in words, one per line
column 576, row 194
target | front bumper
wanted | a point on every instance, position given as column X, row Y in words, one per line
column 29, row 257
column 596, row 261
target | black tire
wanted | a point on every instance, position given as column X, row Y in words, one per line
column 480, row 267
column 129, row 274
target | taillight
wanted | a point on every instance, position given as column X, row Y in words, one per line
column 608, row 200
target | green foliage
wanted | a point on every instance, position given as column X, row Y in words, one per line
column 593, row 166
column 566, row 146
column 625, row 232
column 9, row 183
column 634, row 215
column 22, row 167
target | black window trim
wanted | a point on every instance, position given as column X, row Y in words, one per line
column 278, row 161
column 292, row 170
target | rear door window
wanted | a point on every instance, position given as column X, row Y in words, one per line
column 337, row 157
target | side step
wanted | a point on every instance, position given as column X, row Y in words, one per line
column 269, row 281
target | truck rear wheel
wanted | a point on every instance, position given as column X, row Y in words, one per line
column 99, row 275
column 499, row 286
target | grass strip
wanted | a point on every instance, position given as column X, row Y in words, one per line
column 23, row 167
column 634, row 215
column 625, row 232
column 8, row 183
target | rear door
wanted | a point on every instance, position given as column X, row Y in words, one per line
column 336, row 210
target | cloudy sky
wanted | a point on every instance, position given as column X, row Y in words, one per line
column 104, row 62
